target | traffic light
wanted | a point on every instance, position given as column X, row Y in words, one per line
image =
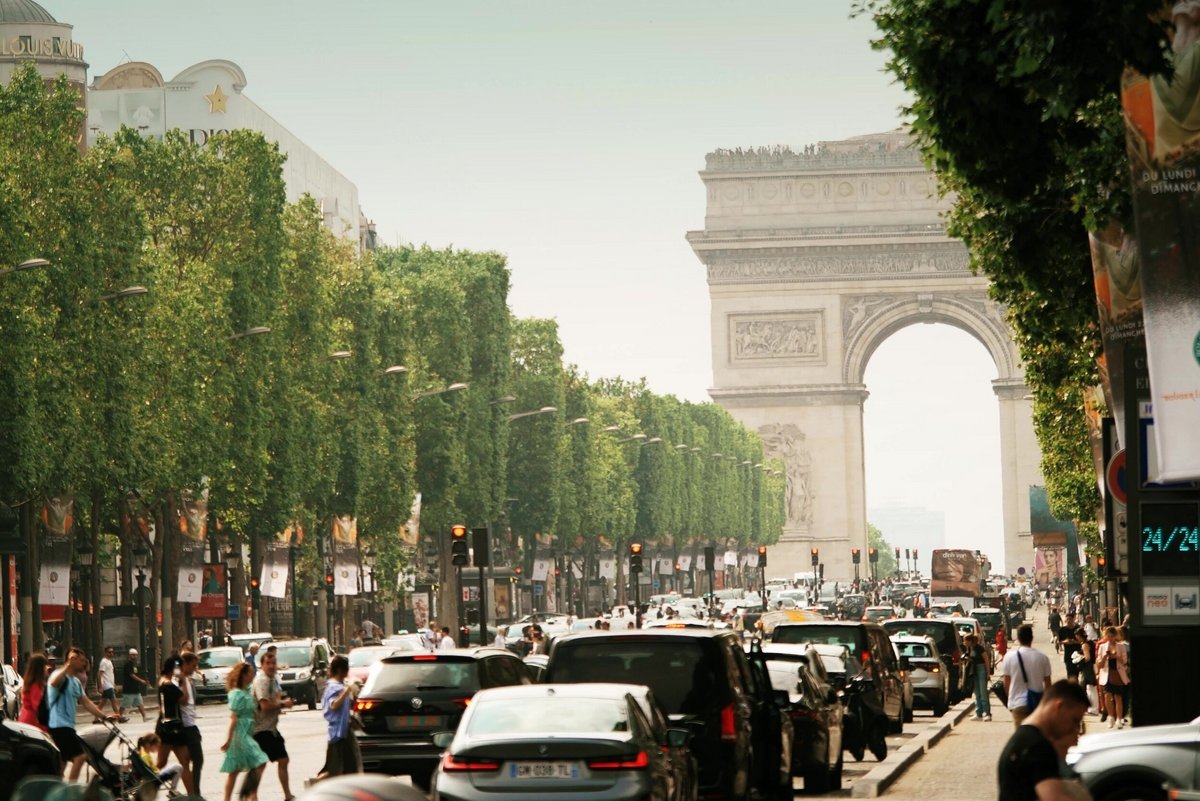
column 897, row 553
column 635, row 557
column 856, row 556
column 762, row 556
column 873, row 554
column 710, row 558
column 914, row 554
column 329, row 585
column 816, row 556
column 1101, row 562
column 255, row 591
column 459, row 555
column 906, row 555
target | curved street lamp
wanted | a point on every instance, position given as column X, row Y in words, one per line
column 455, row 387
column 127, row 292
column 28, row 264
column 531, row 413
column 578, row 421
column 395, row 369
column 257, row 330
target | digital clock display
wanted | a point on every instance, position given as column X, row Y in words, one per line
column 1170, row 539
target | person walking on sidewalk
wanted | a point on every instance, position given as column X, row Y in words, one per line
column 187, row 712
column 63, row 691
column 1025, row 670
column 107, row 678
column 1029, row 767
column 341, row 754
column 268, row 694
column 980, row 667
column 1113, row 661
column 133, row 686
column 33, row 690
column 1086, row 658
column 241, row 750
column 169, row 727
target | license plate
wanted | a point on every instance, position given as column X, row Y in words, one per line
column 415, row 721
column 543, row 770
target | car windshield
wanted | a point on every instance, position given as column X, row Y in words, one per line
column 226, row 657
column 916, row 649
column 431, row 674
column 548, row 715
column 292, row 656
column 935, row 630
column 364, row 657
column 823, row 634
column 986, row 617
column 784, row 675
column 674, row 669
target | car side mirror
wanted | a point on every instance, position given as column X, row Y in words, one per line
column 678, row 738
column 442, row 739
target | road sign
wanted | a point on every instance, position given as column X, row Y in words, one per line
column 234, row 612
column 538, row 589
column 656, row 584
column 1020, row 571
column 1114, row 476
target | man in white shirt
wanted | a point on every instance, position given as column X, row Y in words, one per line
column 501, row 634
column 1024, row 669
column 446, row 642
column 108, row 683
column 188, row 662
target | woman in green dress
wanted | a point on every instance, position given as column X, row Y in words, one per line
column 241, row 751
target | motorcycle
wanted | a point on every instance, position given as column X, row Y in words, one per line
column 865, row 724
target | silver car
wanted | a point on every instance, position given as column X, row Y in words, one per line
column 930, row 680
column 564, row 741
column 213, row 668
column 1144, row 759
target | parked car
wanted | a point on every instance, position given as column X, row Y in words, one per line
column 212, row 669
column 949, row 644
column 25, row 751
column 13, row 684
column 877, row 614
column 873, row 654
column 1139, row 762
column 572, row 741
column 929, row 677
column 705, row 681
column 303, row 668
column 816, row 713
column 409, row 697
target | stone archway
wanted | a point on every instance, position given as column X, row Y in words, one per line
column 814, row 259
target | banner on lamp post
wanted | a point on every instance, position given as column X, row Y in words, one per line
column 58, row 523
column 608, row 566
column 276, row 568
column 541, row 569
column 345, row 555
column 212, row 594
column 193, row 530
column 1162, row 125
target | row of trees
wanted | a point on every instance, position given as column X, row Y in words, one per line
column 1015, row 106
column 272, row 366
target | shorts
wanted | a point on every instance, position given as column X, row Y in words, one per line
column 131, row 701
column 109, row 694
column 68, row 742
column 1116, row 689
column 342, row 757
column 272, row 744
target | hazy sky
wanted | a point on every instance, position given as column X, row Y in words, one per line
column 568, row 136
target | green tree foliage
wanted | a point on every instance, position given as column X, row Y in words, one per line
column 886, row 566
column 1015, row 108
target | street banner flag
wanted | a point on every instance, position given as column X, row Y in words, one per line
column 541, row 569
column 701, row 562
column 1116, row 275
column 345, row 555
column 273, row 581
column 666, row 567
column 731, row 559
column 1162, row 126
column 193, row 531
column 608, row 566
column 410, row 532
column 685, row 562
column 212, row 594
column 58, row 523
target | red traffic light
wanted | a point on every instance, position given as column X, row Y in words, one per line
column 762, row 549
column 328, row 579
column 254, row 583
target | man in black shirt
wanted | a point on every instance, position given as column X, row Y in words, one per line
column 1070, row 646
column 1029, row 768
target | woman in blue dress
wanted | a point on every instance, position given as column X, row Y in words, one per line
column 242, row 753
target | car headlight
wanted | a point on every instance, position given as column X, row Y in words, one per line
column 302, row 674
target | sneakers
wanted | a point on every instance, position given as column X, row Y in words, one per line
column 1121, row 723
column 988, row 717
column 1111, row 723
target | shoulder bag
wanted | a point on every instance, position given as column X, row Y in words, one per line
column 1032, row 697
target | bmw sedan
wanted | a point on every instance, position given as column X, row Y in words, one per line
column 566, row 741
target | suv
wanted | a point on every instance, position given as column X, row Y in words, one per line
column 872, row 650
column 410, row 696
column 213, row 668
column 303, row 668
column 742, row 737
column 949, row 644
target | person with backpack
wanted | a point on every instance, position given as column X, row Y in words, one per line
column 34, row 710
column 64, row 691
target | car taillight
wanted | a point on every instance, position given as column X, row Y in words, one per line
column 728, row 723
column 452, row 765
column 365, row 704
column 461, row 703
column 639, row 761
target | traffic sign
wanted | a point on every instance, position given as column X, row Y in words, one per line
column 1020, row 571
column 1114, row 476
column 656, row 584
column 234, row 612
column 538, row 589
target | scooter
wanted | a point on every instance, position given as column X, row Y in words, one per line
column 865, row 723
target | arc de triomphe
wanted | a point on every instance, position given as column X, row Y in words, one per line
column 814, row 259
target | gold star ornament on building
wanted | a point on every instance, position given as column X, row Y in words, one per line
column 216, row 101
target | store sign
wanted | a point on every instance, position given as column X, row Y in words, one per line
column 46, row 47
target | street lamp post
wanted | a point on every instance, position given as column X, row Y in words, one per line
column 232, row 557
column 141, row 557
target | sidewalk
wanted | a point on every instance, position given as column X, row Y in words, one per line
column 964, row 763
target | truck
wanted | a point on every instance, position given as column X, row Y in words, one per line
column 955, row 576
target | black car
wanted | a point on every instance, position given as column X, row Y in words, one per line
column 949, row 642
column 816, row 713
column 25, row 751
column 871, row 649
column 409, row 697
column 703, row 680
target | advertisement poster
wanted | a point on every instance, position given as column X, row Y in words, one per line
column 954, row 570
column 1162, row 124
column 731, row 559
column 701, row 562
column 541, row 569
column 420, row 605
column 502, row 600
column 685, row 562
column 273, row 582
column 1048, row 563
column 608, row 566
column 193, row 529
column 212, row 594
column 410, row 532
column 666, row 567
column 58, row 523
column 1115, row 273
column 345, row 555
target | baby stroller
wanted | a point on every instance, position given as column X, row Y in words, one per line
column 129, row 779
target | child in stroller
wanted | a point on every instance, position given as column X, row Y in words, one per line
column 133, row 777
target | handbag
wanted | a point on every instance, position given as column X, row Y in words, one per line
column 1032, row 697
column 997, row 688
column 168, row 728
